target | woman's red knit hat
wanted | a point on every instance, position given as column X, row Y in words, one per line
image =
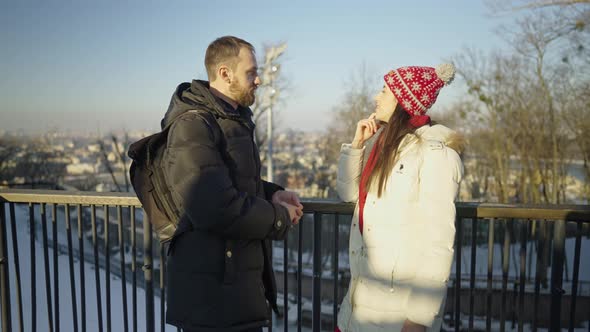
column 416, row 88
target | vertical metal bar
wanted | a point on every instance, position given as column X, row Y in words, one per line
column 107, row 270
column 505, row 265
column 122, row 258
column 271, row 320
column 285, row 283
column 134, row 269
column 47, row 270
column 162, row 288
column 33, row 268
column 55, row 266
column 490, row 274
column 514, row 298
column 4, row 269
column 316, row 295
column 540, row 250
column 19, row 298
column 557, row 275
column 458, row 245
column 81, row 262
column 524, row 226
column 335, row 268
column 299, row 274
column 148, row 273
column 574, row 295
column 96, row 265
column 71, row 263
column 472, row 271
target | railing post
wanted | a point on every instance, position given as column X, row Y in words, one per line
column 4, row 283
column 557, row 275
column 148, row 274
column 458, row 247
column 317, row 273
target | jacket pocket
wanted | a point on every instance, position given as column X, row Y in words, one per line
column 245, row 300
column 193, row 298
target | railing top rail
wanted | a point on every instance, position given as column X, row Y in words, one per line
column 524, row 211
column 480, row 210
column 68, row 197
column 464, row 209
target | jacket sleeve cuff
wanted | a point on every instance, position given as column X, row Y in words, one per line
column 348, row 150
column 270, row 189
column 282, row 222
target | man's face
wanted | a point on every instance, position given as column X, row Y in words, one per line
column 245, row 79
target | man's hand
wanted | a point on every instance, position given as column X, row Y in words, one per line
column 295, row 213
column 289, row 200
column 287, row 197
column 410, row 326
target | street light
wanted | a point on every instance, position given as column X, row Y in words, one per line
column 269, row 73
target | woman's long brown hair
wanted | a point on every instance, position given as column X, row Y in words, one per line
column 395, row 130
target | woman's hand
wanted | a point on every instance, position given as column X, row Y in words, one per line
column 365, row 129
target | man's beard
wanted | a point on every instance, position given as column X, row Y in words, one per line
column 243, row 96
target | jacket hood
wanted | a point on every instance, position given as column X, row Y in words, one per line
column 191, row 96
column 438, row 132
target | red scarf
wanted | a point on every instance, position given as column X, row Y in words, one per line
column 365, row 178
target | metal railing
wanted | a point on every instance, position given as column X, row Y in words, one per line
column 110, row 224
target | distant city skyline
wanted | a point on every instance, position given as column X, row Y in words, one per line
column 110, row 66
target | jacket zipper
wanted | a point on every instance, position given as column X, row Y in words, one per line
column 391, row 288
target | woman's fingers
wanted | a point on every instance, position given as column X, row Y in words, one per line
column 368, row 127
column 365, row 129
column 372, row 125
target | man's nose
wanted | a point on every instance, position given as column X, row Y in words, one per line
column 257, row 81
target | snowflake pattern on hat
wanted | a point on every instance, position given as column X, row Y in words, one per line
column 416, row 88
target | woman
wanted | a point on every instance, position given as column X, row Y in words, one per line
column 402, row 234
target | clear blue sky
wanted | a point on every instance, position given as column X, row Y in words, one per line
column 114, row 64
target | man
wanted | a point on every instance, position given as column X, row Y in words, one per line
column 219, row 270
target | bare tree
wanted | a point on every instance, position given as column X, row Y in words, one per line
column 117, row 167
column 270, row 93
column 527, row 110
column 356, row 104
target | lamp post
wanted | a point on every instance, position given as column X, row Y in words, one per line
column 269, row 73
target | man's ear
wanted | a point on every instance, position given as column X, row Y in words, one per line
column 225, row 73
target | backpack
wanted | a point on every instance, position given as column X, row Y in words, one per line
column 148, row 180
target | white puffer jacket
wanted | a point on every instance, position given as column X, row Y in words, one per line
column 401, row 263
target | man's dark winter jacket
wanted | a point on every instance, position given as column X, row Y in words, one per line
column 219, row 274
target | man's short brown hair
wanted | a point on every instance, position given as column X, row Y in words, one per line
column 224, row 50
